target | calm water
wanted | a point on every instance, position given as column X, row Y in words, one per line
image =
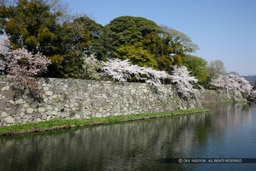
column 229, row 131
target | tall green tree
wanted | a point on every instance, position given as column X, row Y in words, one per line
column 76, row 40
column 98, row 38
column 198, row 68
column 127, row 30
column 35, row 25
column 32, row 24
column 164, row 49
column 137, row 55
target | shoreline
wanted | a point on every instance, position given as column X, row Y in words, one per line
column 58, row 124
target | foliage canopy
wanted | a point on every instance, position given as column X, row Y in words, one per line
column 38, row 26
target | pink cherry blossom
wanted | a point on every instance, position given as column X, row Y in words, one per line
column 181, row 77
column 232, row 81
column 22, row 66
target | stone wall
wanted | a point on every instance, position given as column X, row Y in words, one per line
column 82, row 99
column 211, row 96
column 69, row 99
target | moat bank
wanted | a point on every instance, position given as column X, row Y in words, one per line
column 227, row 132
column 84, row 99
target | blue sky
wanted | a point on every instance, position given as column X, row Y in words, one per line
column 223, row 29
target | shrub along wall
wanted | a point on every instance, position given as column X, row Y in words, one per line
column 81, row 99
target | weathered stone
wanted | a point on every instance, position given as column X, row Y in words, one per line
column 64, row 114
column 8, row 109
column 38, row 120
column 49, row 93
column 46, row 88
column 41, row 109
column 81, row 96
column 9, row 94
column 44, row 117
column 28, row 117
column 9, row 120
column 53, row 112
column 4, row 114
column 5, row 88
column 54, row 96
column 11, row 101
column 30, row 110
column 77, row 116
column 49, row 107
column 25, row 105
column 2, row 97
column 22, row 114
column 20, row 101
column 48, row 118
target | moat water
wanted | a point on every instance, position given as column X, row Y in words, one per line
column 228, row 131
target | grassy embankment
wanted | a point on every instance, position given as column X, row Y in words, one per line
column 57, row 124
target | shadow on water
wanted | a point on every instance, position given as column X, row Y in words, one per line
column 139, row 145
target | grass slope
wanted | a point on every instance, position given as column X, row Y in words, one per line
column 56, row 124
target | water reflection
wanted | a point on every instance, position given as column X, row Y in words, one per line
column 136, row 145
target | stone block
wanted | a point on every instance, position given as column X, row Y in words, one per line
column 38, row 120
column 64, row 114
column 4, row 114
column 48, row 118
column 9, row 94
column 20, row 101
column 46, row 88
column 5, row 88
column 9, row 120
column 41, row 109
column 29, row 110
column 54, row 113
column 77, row 116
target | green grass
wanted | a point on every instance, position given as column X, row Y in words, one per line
column 56, row 124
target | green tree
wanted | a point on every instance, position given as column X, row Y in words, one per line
column 164, row 49
column 31, row 24
column 181, row 38
column 137, row 55
column 75, row 40
column 216, row 68
column 127, row 30
column 198, row 68
column 124, row 32
column 98, row 38
column 35, row 25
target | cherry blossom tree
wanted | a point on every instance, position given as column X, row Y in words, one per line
column 22, row 67
column 4, row 46
column 124, row 70
column 91, row 67
column 232, row 81
column 180, row 76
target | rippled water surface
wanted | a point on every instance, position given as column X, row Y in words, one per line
column 229, row 131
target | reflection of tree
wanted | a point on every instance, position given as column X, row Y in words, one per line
column 129, row 146
column 229, row 115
